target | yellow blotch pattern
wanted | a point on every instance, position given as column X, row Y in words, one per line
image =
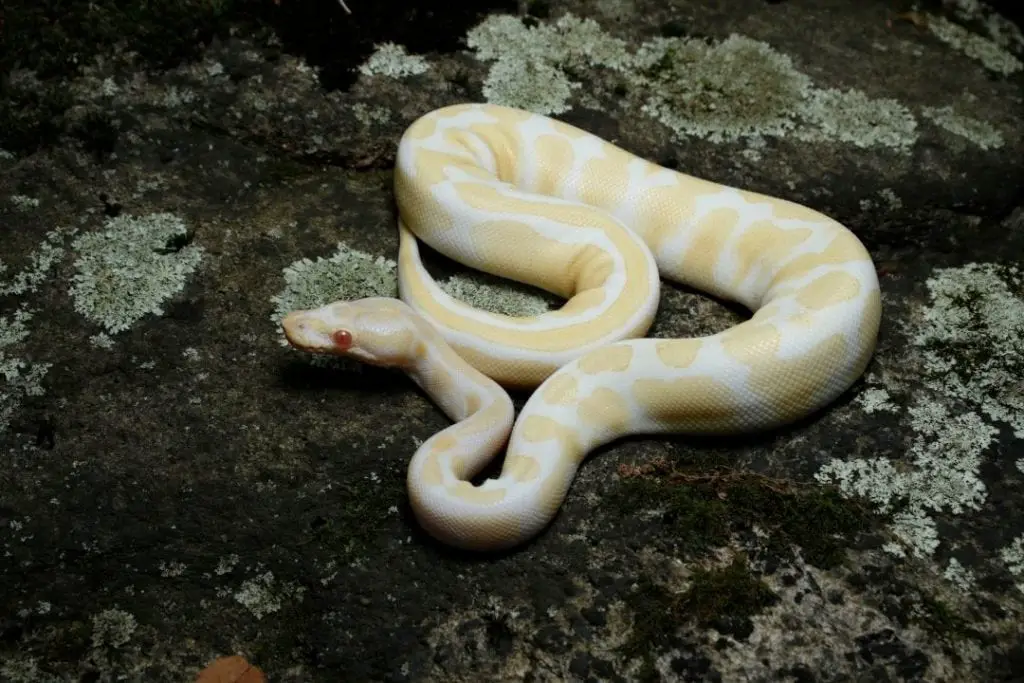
column 604, row 181
column 537, row 428
column 561, row 390
column 463, row 490
column 605, row 408
column 792, row 387
column 554, row 159
column 844, row 248
column 752, row 343
column 828, row 290
column 522, row 468
column 710, row 238
column 688, row 403
column 609, row 359
column 765, row 242
column 678, row 353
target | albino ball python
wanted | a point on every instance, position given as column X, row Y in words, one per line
column 529, row 198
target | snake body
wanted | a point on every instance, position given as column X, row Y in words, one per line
column 532, row 199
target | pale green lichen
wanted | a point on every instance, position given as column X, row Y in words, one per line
column 991, row 55
column 262, row 596
column 875, row 400
column 21, row 669
column 369, row 116
column 851, row 116
column 20, row 378
column 391, row 60
column 737, row 88
column 889, row 200
column 346, row 274
column 733, row 89
column 971, row 341
column 131, row 268
column 113, row 628
column 962, row 578
column 981, row 133
column 941, row 475
column 24, row 203
column 1013, row 556
column 41, row 261
column 498, row 297
column 530, row 63
column 537, row 86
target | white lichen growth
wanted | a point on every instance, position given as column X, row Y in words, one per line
column 723, row 91
column 972, row 339
column 131, row 268
column 1013, row 556
column 226, row 564
column 346, row 274
column 534, row 85
column 876, row 400
column 851, row 116
column 498, row 298
column 369, row 116
column 391, row 60
column 101, row 340
column 961, row 577
column 23, row 202
column 735, row 88
column 112, row 628
column 991, row 55
column 981, row 133
column 972, row 343
column 262, row 596
column 21, row 669
column 19, row 378
column 41, row 261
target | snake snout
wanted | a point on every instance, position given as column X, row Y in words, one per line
column 304, row 331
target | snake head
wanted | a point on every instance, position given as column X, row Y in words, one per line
column 376, row 331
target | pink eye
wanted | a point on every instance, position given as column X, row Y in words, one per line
column 342, row 339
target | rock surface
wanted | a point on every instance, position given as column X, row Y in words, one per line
column 177, row 485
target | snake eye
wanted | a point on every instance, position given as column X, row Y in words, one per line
column 342, row 339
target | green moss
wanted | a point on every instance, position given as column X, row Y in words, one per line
column 731, row 590
column 723, row 598
column 704, row 504
column 942, row 620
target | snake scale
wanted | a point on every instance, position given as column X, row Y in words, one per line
column 526, row 197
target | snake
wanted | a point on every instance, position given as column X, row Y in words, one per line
column 533, row 199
